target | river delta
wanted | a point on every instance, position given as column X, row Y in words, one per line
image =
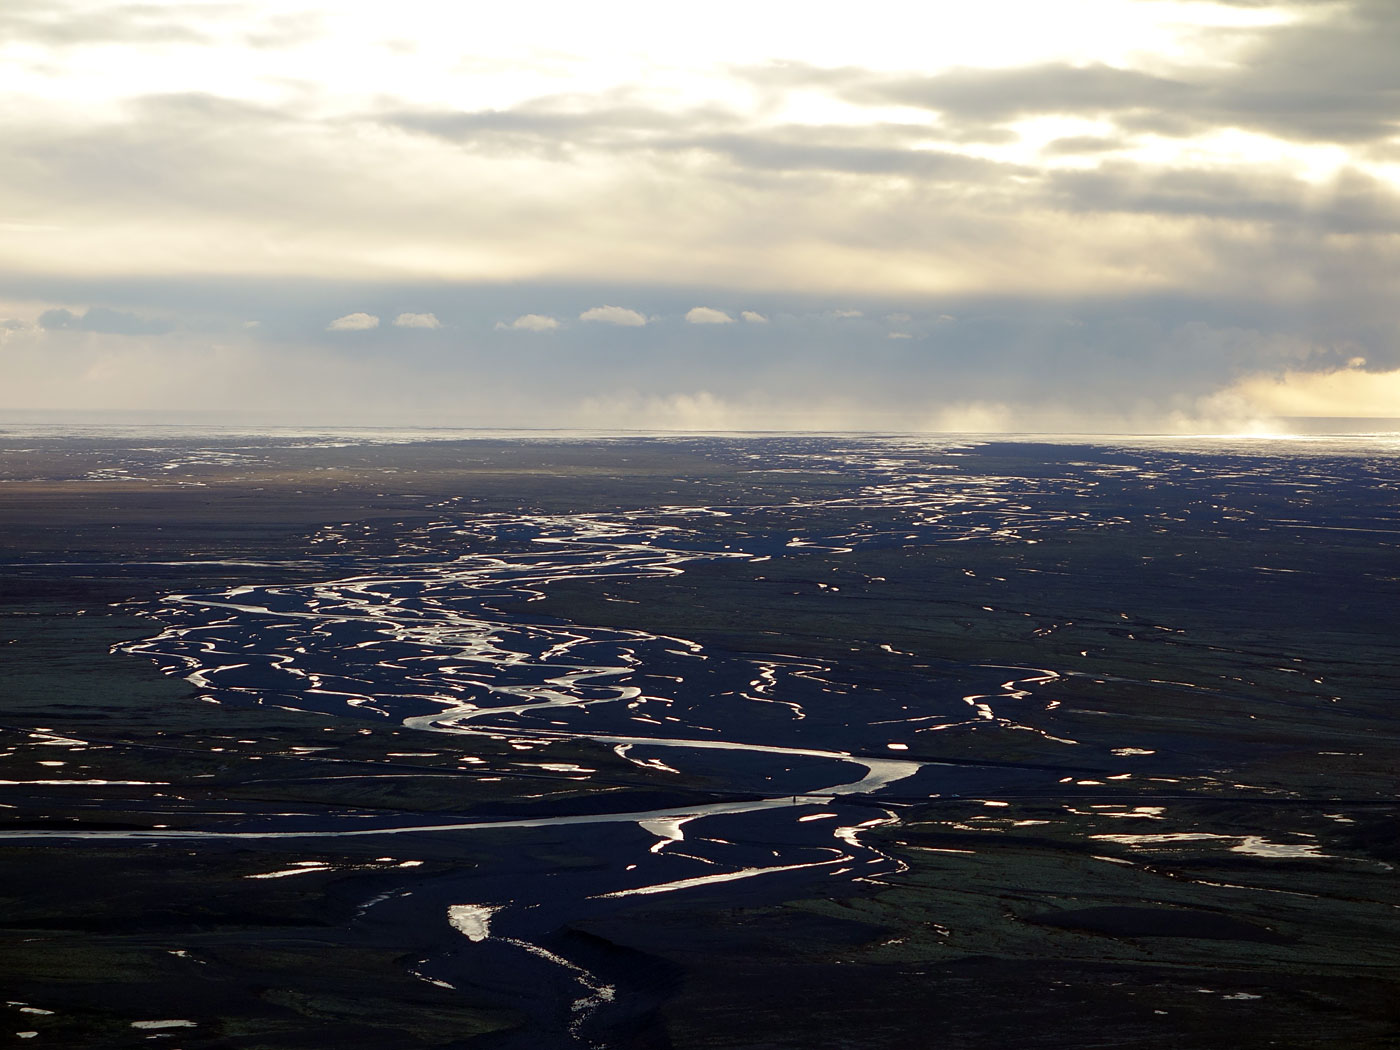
column 361, row 740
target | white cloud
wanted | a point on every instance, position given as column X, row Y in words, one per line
column 618, row 315
column 417, row 321
column 753, row 317
column 708, row 315
column 356, row 322
column 847, row 313
column 531, row 323
column 899, row 335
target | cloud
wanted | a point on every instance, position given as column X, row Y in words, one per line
column 119, row 24
column 102, row 319
column 1349, row 203
column 898, row 335
column 59, row 318
column 1081, row 144
column 1079, row 366
column 618, row 315
column 791, row 149
column 971, row 417
column 991, row 95
column 562, row 128
column 356, row 322
column 554, row 125
column 847, row 207
column 1169, row 185
column 1343, row 392
column 707, row 315
column 1327, row 78
column 531, row 323
column 417, row 321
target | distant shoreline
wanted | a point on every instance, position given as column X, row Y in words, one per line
column 98, row 426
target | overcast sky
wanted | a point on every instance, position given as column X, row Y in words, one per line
column 1008, row 215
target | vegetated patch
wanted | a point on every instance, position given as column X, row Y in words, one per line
column 1125, row 921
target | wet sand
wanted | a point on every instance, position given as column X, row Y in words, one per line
column 562, row 744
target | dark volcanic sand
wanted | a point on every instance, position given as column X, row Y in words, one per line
column 1158, row 686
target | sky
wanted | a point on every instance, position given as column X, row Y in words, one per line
column 1091, row 215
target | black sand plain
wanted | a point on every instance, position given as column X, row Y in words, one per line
column 1182, row 834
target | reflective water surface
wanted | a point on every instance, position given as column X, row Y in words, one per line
column 467, row 621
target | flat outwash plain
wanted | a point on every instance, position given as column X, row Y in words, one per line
column 750, row 742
